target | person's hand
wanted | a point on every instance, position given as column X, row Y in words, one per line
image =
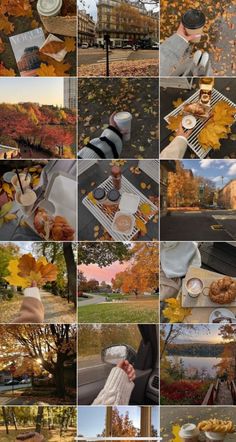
column 181, row 132
column 182, row 32
column 128, row 369
column 34, row 284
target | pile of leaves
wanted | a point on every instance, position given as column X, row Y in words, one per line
column 183, row 391
column 174, row 311
column 219, row 31
column 218, row 127
column 17, row 16
column 27, row 271
column 135, row 68
column 99, row 98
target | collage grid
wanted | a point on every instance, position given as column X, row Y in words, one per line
column 117, row 220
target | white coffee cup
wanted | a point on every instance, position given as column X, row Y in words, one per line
column 49, row 8
column 189, row 433
column 26, row 200
column 215, row 436
column 123, row 120
column 25, row 182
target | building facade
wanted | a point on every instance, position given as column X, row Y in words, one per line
column 227, row 196
column 86, row 28
column 125, row 22
column 70, row 93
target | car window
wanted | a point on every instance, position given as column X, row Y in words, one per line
column 95, row 337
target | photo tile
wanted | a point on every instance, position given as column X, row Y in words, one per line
column 198, row 200
column 118, row 39
column 203, row 111
column 38, row 200
column 197, row 39
column 197, row 365
column 38, row 118
column 125, row 111
column 197, row 282
column 38, row 282
column 120, row 365
column 38, row 39
column 118, row 200
column 118, row 282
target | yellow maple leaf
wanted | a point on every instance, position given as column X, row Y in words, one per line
column 177, row 103
column 174, row 312
column 8, row 189
column 46, row 71
column 9, row 217
column 70, row 44
column 86, row 140
column 91, row 198
column 5, row 25
column 14, row 279
column 141, row 226
column 145, row 209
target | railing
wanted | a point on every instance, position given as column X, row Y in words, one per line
column 211, row 395
column 232, row 388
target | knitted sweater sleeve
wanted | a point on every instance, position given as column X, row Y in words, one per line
column 117, row 389
column 31, row 310
column 108, row 145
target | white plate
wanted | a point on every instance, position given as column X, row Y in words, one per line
column 224, row 313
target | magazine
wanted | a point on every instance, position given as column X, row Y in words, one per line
column 26, row 50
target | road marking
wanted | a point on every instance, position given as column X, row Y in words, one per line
column 93, row 366
column 224, row 217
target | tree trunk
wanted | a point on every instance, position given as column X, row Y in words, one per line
column 71, row 270
column 5, row 419
column 39, row 419
column 60, row 378
column 166, row 341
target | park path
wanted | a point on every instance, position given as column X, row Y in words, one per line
column 57, row 309
column 96, row 299
column 224, row 396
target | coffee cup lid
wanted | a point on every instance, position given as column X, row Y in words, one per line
column 193, row 19
column 188, row 430
column 48, row 7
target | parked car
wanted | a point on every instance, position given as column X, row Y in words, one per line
column 13, row 382
column 92, row 378
column 85, row 45
column 155, row 45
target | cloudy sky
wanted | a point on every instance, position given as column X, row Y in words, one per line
column 90, row 6
column 213, row 169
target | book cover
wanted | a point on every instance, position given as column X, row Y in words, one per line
column 26, row 50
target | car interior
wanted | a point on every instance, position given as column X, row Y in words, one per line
column 145, row 361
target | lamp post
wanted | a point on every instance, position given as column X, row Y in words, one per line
column 107, row 43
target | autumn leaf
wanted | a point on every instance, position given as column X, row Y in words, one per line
column 4, row 72
column 2, row 46
column 174, row 311
column 5, row 25
column 9, row 217
column 27, row 263
column 143, row 185
column 19, row 8
column 53, row 47
column 28, row 270
column 14, row 279
column 141, row 226
column 145, row 208
column 6, row 208
column 70, row 44
column 177, row 103
column 91, row 198
column 8, row 189
column 34, row 24
column 46, row 71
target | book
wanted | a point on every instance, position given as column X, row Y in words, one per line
column 26, row 50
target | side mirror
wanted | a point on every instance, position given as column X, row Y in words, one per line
column 115, row 353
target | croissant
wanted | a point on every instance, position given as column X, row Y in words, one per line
column 61, row 230
column 195, row 109
column 217, row 426
column 223, row 291
column 56, row 228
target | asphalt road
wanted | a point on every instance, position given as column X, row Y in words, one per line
column 92, row 369
column 196, row 226
column 4, row 388
column 96, row 55
column 96, row 299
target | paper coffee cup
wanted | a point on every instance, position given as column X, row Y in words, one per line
column 123, row 121
column 214, row 436
column 189, row 433
column 194, row 21
column 49, row 8
column 25, row 182
column 26, row 200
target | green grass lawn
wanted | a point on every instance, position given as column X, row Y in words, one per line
column 145, row 311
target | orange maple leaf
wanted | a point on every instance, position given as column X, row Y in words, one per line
column 4, row 72
column 5, row 25
column 70, row 44
column 46, row 71
column 19, row 8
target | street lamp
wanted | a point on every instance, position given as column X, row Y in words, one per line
column 107, row 43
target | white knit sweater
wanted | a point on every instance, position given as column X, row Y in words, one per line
column 117, row 389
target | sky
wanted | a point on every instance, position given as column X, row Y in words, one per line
column 204, row 334
column 92, row 271
column 213, row 170
column 91, row 8
column 25, row 246
column 36, row 90
column 96, row 416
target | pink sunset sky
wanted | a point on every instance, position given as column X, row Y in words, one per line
column 92, row 271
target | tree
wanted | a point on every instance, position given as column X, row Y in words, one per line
column 39, row 419
column 228, row 357
column 8, row 252
column 122, row 425
column 53, row 345
column 102, row 254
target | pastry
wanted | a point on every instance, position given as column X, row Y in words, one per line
column 217, row 426
column 223, row 291
column 48, row 227
column 197, row 109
